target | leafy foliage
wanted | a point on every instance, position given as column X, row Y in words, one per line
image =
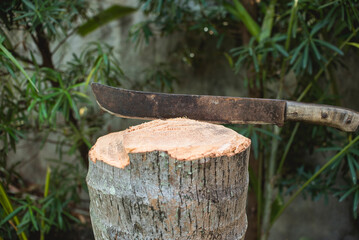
column 44, row 97
column 276, row 39
column 112, row 13
column 160, row 77
column 51, row 210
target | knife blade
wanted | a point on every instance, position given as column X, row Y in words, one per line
column 217, row 109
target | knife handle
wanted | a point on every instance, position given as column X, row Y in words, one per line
column 337, row 117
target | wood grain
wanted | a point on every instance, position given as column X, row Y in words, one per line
column 160, row 197
column 337, row 117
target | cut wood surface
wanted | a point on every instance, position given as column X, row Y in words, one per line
column 173, row 179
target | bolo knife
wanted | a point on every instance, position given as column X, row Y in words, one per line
column 218, row 109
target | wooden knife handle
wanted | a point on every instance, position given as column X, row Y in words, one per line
column 337, row 117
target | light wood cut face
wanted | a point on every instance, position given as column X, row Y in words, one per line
column 182, row 139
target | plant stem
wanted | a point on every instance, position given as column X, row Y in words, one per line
column 291, row 21
column 64, row 40
column 304, row 93
column 269, row 185
column 17, row 64
column 46, row 193
column 287, row 45
column 306, row 90
column 7, row 207
column 43, row 45
column 287, row 147
column 316, row 77
column 259, row 195
column 300, row 98
column 314, row 177
column 270, row 166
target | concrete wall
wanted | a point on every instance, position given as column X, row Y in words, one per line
column 320, row 220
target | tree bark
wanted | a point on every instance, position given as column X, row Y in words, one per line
column 157, row 196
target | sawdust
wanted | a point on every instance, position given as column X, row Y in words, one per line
column 182, row 139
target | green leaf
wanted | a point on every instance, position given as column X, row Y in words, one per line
column 81, row 95
column 32, row 105
column 330, row 46
column 106, row 62
column 93, row 70
column 5, row 201
column 59, row 217
column 77, row 85
column 47, row 182
column 71, row 217
column 48, row 203
column 241, row 13
column 7, row 206
column 292, row 27
column 25, row 221
column 72, row 105
column 356, row 163
column 328, row 4
column 297, row 51
column 281, row 50
column 305, row 56
column 254, row 139
column 43, row 111
column 347, row 193
column 352, row 170
column 232, row 10
column 5, row 39
column 315, row 50
column 33, row 219
column 159, row 6
column 354, row 151
column 29, row 5
column 36, row 209
column 317, row 27
column 315, row 175
column 112, row 13
column 229, row 59
column 80, row 135
column 255, row 62
column 147, row 32
column 269, row 133
column 51, row 95
column 17, row 64
column 355, row 204
column 55, row 108
column 220, row 40
column 267, row 24
column 354, row 44
column 11, row 215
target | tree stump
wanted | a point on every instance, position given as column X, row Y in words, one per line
column 173, row 179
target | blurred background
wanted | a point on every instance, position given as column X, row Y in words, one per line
column 303, row 178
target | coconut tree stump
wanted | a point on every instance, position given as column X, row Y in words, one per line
column 173, row 179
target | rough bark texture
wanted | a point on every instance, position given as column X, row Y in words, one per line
column 159, row 197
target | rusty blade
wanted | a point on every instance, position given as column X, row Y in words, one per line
column 215, row 109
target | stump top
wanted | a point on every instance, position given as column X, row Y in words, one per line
column 182, row 139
